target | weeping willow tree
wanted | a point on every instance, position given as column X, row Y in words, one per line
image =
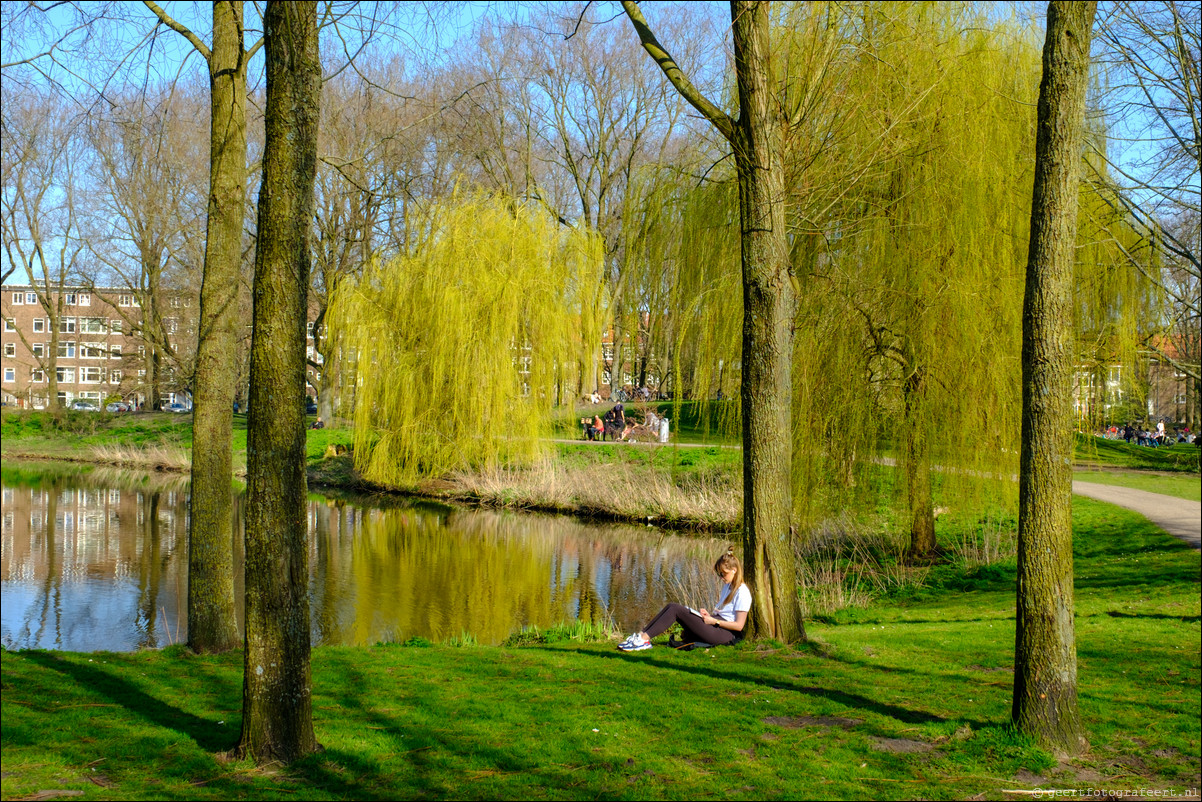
column 909, row 221
column 460, row 348
column 908, row 197
column 1117, row 302
column 933, row 268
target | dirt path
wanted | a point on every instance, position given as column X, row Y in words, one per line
column 1177, row 516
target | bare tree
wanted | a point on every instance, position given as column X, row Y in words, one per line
column 43, row 175
column 1151, row 164
column 148, row 170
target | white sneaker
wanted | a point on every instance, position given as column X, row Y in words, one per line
column 630, row 641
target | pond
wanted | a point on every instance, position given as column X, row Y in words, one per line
column 96, row 559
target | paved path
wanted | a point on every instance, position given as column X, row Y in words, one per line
column 1177, row 516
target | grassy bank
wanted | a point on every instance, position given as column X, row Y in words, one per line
column 908, row 698
column 684, row 485
column 1094, row 451
column 1179, row 485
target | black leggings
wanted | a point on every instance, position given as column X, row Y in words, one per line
column 695, row 628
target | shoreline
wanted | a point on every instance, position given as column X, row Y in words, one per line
column 338, row 473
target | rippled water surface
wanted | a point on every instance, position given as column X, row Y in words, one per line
column 96, row 559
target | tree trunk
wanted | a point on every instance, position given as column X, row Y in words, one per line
column 915, row 431
column 769, row 305
column 277, row 720
column 212, row 621
column 1045, row 656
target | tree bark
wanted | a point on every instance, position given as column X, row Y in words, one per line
column 277, row 721
column 212, row 621
column 1045, row 655
column 916, row 432
column 769, row 307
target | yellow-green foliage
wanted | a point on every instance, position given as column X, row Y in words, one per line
column 909, row 198
column 460, row 349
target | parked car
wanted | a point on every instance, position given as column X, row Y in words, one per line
column 117, row 406
column 176, row 407
column 311, row 409
column 85, row 406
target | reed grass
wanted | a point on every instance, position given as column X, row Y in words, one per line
column 703, row 501
column 162, row 456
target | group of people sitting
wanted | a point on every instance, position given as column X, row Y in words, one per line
column 616, row 426
column 1149, row 437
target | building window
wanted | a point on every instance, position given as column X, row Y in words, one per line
column 85, row 299
column 91, row 351
column 39, row 350
column 176, row 303
column 70, row 298
column 115, row 351
column 39, row 325
column 10, row 324
column 10, row 374
column 91, row 375
column 115, row 326
column 127, row 300
column 18, row 298
column 114, row 376
column 37, row 375
column 65, row 375
column 10, row 350
column 171, row 325
column 66, row 325
column 31, row 298
column 66, row 349
column 91, row 325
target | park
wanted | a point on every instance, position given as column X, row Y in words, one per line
column 346, row 435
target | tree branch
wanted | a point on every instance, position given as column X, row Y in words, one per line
column 720, row 119
column 167, row 20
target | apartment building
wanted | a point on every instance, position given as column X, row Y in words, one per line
column 99, row 355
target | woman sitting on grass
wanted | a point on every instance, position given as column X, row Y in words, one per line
column 720, row 627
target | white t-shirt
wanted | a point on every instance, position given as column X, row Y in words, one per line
column 741, row 602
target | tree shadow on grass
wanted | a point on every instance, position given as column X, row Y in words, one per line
column 1185, row 619
column 208, row 735
column 845, row 698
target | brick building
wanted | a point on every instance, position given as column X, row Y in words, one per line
column 99, row 358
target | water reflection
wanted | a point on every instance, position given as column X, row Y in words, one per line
column 97, row 560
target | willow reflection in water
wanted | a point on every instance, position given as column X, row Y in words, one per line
column 439, row 572
column 97, row 560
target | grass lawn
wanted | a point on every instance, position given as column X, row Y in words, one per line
column 159, row 439
column 1094, row 451
column 908, row 698
column 1182, row 486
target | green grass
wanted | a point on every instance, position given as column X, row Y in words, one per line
column 1181, row 486
column 72, row 434
column 1098, row 451
column 574, row 720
